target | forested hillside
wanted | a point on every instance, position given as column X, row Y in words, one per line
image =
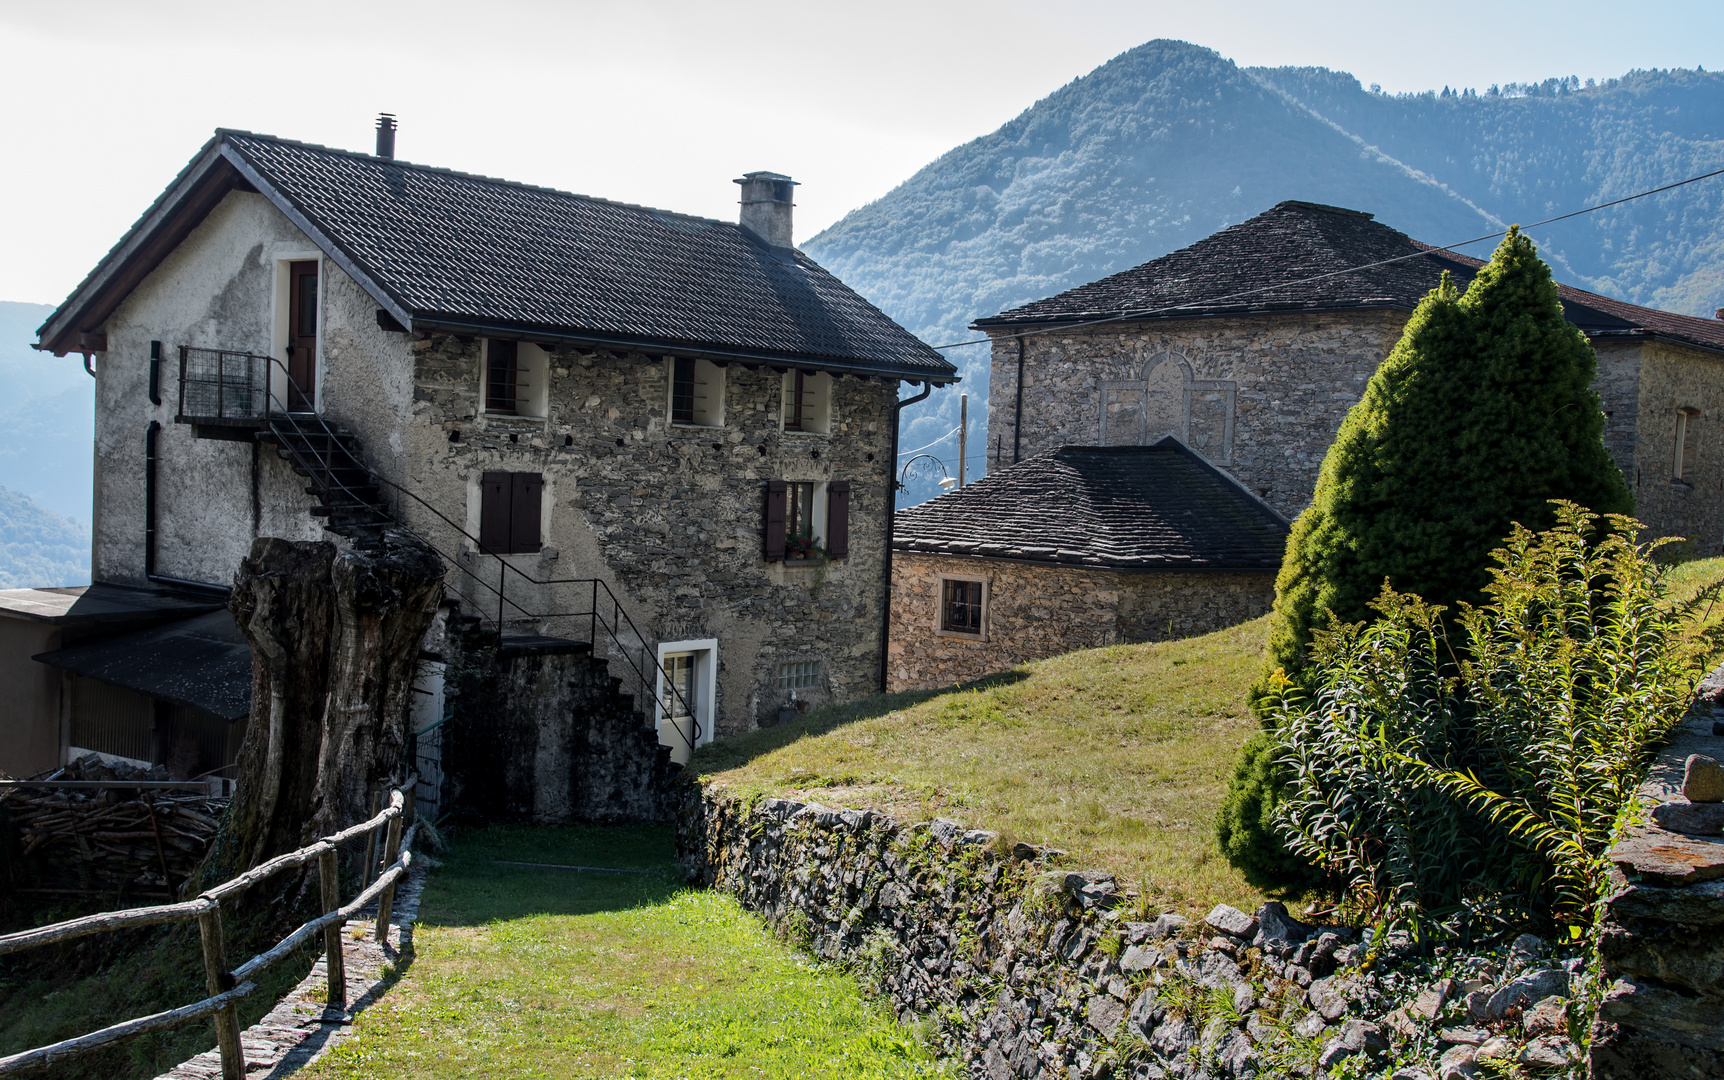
column 1169, row 142
column 39, row 547
column 47, row 417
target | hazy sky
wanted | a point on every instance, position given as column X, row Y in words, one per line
column 663, row 103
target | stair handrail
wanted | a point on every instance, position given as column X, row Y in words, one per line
column 619, row 614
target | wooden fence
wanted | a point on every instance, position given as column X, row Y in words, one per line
column 227, row 988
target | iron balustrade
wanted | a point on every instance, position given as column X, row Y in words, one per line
column 220, row 384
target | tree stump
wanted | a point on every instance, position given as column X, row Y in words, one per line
column 335, row 639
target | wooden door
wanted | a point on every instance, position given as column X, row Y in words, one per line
column 302, row 336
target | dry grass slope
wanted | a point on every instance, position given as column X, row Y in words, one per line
column 1118, row 755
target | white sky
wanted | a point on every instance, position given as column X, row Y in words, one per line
column 662, row 102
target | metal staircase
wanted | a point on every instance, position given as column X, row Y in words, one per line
column 349, row 499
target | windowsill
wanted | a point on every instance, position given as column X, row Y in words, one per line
column 696, row 427
column 961, row 635
column 529, row 417
column 1681, row 485
column 801, row 431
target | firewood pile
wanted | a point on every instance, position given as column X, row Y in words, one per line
column 112, row 842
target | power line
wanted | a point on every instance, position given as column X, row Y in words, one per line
column 1126, row 315
column 936, row 442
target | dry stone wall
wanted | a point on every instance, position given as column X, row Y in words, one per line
column 1017, row 966
column 1039, row 610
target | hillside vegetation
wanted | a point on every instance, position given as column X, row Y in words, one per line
column 1118, row 755
column 47, row 418
column 39, row 547
column 1170, row 142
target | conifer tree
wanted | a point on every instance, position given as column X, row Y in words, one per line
column 1483, row 413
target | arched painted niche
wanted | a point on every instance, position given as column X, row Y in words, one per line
column 1166, row 399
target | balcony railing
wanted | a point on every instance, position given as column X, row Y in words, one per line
column 222, row 388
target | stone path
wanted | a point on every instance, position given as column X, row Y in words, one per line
column 300, row 1029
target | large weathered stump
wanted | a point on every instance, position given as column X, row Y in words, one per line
column 335, row 639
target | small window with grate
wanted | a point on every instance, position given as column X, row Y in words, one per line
column 696, row 392
column 808, row 402
column 799, row 675
column 963, row 606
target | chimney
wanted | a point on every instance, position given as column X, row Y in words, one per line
column 386, row 135
column 766, row 206
column 1719, row 314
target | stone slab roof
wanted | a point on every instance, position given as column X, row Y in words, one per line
column 1120, row 507
column 1240, row 271
column 440, row 249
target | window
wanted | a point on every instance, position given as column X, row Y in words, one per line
column 509, row 512
column 799, row 675
column 803, row 514
column 807, row 402
column 1683, row 457
column 516, row 378
column 963, row 606
column 696, row 392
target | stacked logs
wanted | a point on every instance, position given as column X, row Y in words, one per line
column 107, row 842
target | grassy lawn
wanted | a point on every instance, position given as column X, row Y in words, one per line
column 1119, row 755
column 549, row 973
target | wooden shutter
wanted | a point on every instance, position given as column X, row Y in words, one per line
column 774, row 521
column 838, row 518
column 494, row 491
column 525, row 503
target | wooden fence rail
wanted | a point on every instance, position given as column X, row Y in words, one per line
column 227, row 988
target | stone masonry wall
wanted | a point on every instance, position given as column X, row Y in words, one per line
column 1018, row 967
column 670, row 517
column 1673, row 377
column 1036, row 611
column 1662, row 942
column 1290, row 379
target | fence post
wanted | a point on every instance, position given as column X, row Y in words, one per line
column 329, row 872
column 391, row 852
column 371, row 844
column 218, row 981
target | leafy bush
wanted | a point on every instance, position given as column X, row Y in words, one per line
column 1482, row 413
column 1484, row 772
column 1245, row 829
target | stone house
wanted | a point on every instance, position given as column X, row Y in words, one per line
column 1209, row 344
column 666, row 435
column 1072, row 548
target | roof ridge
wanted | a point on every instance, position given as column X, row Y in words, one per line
column 1326, row 208
column 478, row 177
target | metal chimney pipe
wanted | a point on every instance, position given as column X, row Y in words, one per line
column 386, row 135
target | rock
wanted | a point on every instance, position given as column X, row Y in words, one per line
column 1138, row 932
column 1532, row 986
column 1478, row 1003
column 1497, row 1048
column 979, row 838
column 1401, row 1024
column 1666, row 858
column 1329, row 996
column 1327, row 942
column 1548, row 1017
column 1078, row 944
column 1365, row 1037
column 1458, row 1063
column 995, row 1065
column 1334, row 1050
column 1431, row 1000
column 946, row 831
column 1119, row 988
column 1348, row 955
column 1173, row 1037
column 1297, row 974
column 1409, row 1074
column 1025, row 852
column 1215, row 970
column 1244, row 998
column 1140, row 958
column 1309, row 1025
column 1237, row 1055
column 1146, row 1012
column 1694, row 819
column 1549, row 1051
column 1464, row 1036
column 1223, row 944
column 1104, row 1013
column 1166, row 926
column 1230, row 920
column 1278, row 933
column 1524, row 951
column 1702, row 779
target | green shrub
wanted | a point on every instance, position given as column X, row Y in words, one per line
column 1448, row 775
column 1483, row 412
column 1245, row 830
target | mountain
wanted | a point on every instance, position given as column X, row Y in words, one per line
column 39, row 547
column 47, row 418
column 1169, row 142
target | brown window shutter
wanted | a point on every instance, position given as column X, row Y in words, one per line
column 775, row 521
column 838, row 518
column 494, row 492
column 524, row 534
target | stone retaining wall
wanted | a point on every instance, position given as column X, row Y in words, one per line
column 1016, row 966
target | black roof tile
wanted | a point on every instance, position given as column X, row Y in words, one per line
column 1240, row 270
column 1120, row 507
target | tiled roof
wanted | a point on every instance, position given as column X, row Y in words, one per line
column 452, row 250
column 1239, row 270
column 1121, row 507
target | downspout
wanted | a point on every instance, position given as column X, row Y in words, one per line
column 891, row 509
column 150, row 436
column 1018, row 410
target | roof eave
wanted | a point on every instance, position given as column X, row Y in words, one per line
column 703, row 350
column 903, row 548
column 1000, row 322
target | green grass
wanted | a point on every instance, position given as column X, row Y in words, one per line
column 548, row 973
column 1118, row 755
